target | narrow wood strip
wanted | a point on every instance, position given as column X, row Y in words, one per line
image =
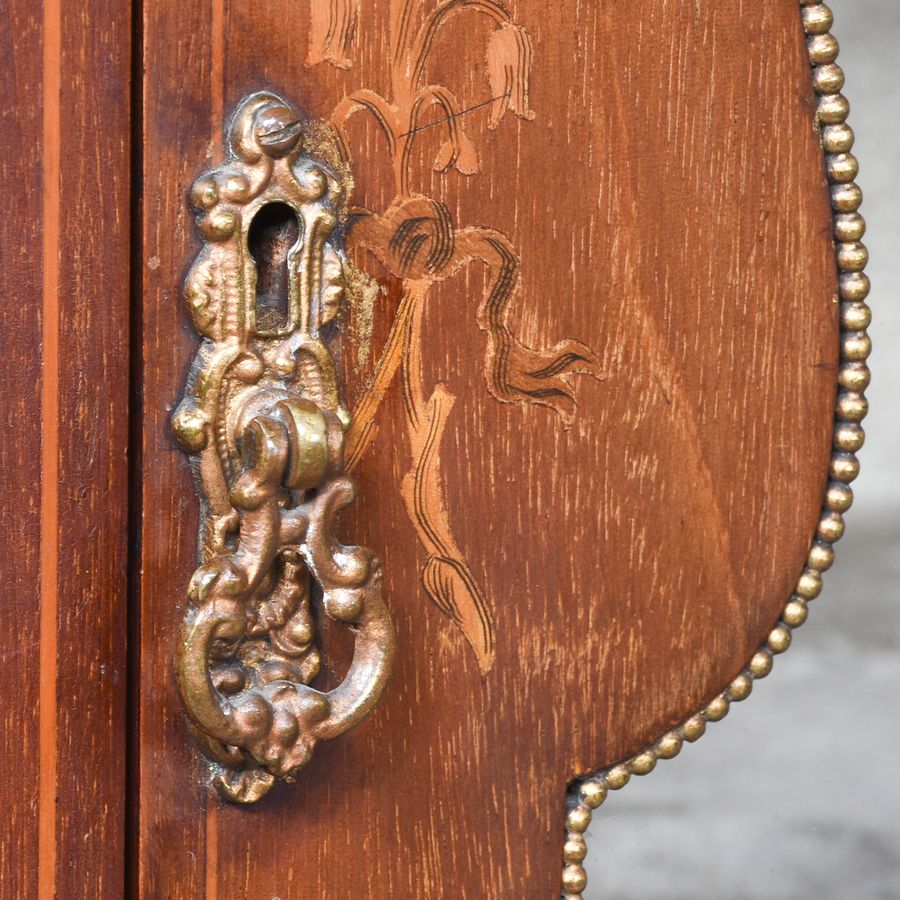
column 217, row 110
column 21, row 286
column 91, row 411
column 176, row 119
column 49, row 551
column 212, row 849
column 135, row 456
column 217, row 78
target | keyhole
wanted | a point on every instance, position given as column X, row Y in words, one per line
column 273, row 232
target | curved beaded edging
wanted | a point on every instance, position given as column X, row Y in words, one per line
column 851, row 407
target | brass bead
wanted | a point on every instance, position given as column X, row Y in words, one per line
column 828, row 79
column 286, row 365
column 779, row 638
column 669, row 746
column 190, row 427
column 575, row 849
column 740, row 688
column 617, row 777
column 761, row 664
column 593, row 793
column 855, row 316
column 578, row 819
column 854, row 377
column 817, row 19
column 852, row 256
column 838, row 499
column 849, row 226
column 642, row 764
column 831, row 525
column 809, row 584
column 856, row 346
column 849, row 436
column 693, row 729
column 832, row 109
column 844, row 467
column 846, row 198
column 204, row 193
column 314, row 183
column 823, row 49
column 795, row 613
column 820, row 557
column 852, row 406
column 854, row 286
column 716, row 709
column 574, row 878
column 347, row 607
column 221, row 225
column 237, row 187
column 841, row 167
column 838, row 138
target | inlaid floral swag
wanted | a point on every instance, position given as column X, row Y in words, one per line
column 416, row 240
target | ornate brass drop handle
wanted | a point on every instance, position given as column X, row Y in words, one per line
column 264, row 421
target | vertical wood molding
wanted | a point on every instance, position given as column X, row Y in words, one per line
column 65, row 142
column 21, row 127
column 177, row 128
column 49, row 550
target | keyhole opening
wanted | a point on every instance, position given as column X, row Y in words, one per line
column 273, row 233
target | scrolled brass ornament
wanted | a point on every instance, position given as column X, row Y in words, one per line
column 264, row 422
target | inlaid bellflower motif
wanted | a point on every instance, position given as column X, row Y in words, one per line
column 331, row 27
column 509, row 55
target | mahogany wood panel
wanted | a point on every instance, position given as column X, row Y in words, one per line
column 666, row 206
column 65, row 234
column 20, row 453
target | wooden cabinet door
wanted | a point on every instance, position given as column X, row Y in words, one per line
column 590, row 342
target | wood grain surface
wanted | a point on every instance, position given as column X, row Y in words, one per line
column 64, row 235
column 667, row 207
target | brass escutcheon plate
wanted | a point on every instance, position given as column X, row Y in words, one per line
column 264, row 423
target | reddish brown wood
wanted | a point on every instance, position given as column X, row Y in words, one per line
column 669, row 209
column 167, row 507
column 63, row 472
column 20, row 451
column 94, row 289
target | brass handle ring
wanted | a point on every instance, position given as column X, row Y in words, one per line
column 264, row 422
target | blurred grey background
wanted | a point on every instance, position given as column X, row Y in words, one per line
column 797, row 793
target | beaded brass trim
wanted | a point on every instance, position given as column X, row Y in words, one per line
column 851, row 407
